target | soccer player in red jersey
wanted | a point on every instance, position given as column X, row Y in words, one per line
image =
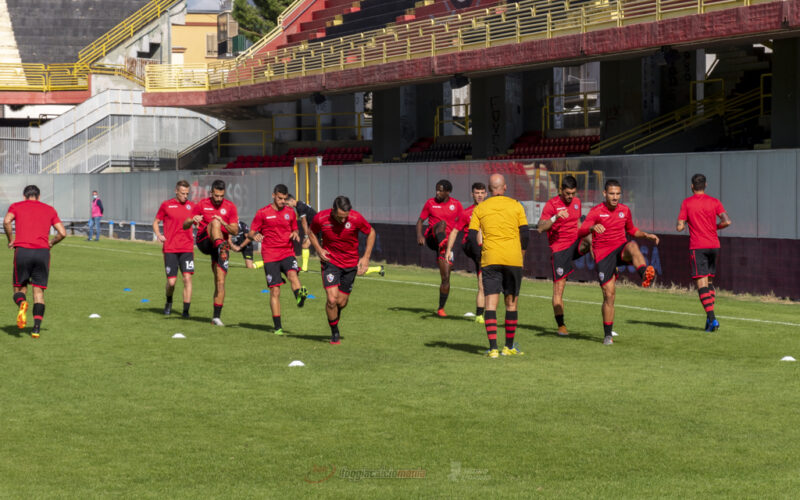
column 561, row 218
column 338, row 254
column 32, row 221
column 443, row 214
column 470, row 246
column 216, row 218
column 611, row 223
column 275, row 227
column 178, row 245
column 701, row 211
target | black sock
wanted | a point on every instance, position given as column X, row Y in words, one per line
column 276, row 320
column 490, row 322
column 560, row 319
column 511, row 328
column 334, row 327
column 38, row 314
column 169, row 299
column 443, row 299
column 18, row 298
column 217, row 310
column 607, row 328
column 186, row 308
column 641, row 271
column 479, row 311
column 296, row 292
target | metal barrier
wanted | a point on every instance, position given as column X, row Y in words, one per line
column 495, row 26
column 360, row 122
column 553, row 110
column 465, row 124
column 261, row 142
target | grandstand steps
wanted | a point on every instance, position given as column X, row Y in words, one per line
column 373, row 14
column 736, row 65
column 9, row 53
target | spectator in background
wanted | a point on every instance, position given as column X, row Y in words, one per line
column 96, row 211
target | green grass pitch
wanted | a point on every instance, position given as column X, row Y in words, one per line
column 408, row 406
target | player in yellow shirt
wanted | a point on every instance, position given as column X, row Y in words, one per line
column 502, row 222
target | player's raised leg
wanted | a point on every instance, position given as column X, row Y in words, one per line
column 633, row 254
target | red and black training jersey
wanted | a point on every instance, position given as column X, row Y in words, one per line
column 618, row 224
column 32, row 222
column 563, row 233
column 449, row 211
column 277, row 227
column 463, row 222
column 700, row 211
column 173, row 214
column 206, row 208
column 341, row 240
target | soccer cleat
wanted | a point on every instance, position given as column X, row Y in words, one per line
column 279, row 331
column 382, row 272
column 22, row 314
column 649, row 276
column 335, row 340
column 608, row 340
column 712, row 326
column 493, row 353
column 480, row 319
column 217, row 322
column 185, row 315
column 708, row 322
column 258, row 264
column 441, row 313
column 302, row 294
column 562, row 331
column 513, row 351
column 35, row 332
column 167, row 308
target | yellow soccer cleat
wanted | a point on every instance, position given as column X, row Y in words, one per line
column 511, row 352
column 493, row 353
column 22, row 314
column 480, row 319
column 258, row 264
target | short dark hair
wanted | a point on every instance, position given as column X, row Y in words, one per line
column 445, row 185
column 569, row 182
column 182, row 183
column 218, row 185
column 280, row 189
column 611, row 183
column 31, row 191
column 479, row 186
column 342, row 203
column 699, row 182
column 289, row 196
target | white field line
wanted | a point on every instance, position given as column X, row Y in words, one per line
column 542, row 297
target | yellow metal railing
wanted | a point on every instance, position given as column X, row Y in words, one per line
column 124, row 30
column 230, row 141
column 464, row 123
column 495, row 26
column 588, row 105
column 360, row 121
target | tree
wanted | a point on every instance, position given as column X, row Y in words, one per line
column 256, row 18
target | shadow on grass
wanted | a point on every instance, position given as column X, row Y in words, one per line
column 552, row 332
column 469, row 348
column 175, row 315
column 13, row 330
column 427, row 313
column 659, row 324
column 265, row 328
column 313, row 338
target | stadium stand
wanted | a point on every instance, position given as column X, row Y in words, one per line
column 330, row 156
column 78, row 25
column 431, row 9
column 371, row 14
column 534, row 145
column 329, row 15
column 427, row 150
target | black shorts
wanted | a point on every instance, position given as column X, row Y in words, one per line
column 561, row 262
column 473, row 251
column 336, row 276
column 274, row 269
column 31, row 266
column 247, row 251
column 501, row 279
column 703, row 262
column 607, row 268
column 175, row 261
column 205, row 245
column 431, row 241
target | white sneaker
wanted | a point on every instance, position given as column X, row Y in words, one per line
column 217, row 322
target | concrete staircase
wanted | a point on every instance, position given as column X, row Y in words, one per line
column 9, row 53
